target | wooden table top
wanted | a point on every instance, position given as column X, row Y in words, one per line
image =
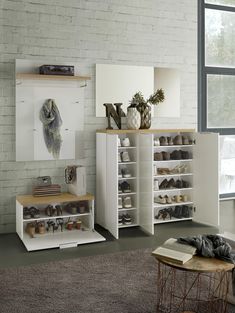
column 199, row 264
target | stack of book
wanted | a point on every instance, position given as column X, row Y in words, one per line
column 175, row 252
column 50, row 190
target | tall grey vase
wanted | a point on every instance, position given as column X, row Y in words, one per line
column 145, row 113
column 133, row 118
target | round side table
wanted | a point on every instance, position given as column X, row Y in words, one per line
column 200, row 285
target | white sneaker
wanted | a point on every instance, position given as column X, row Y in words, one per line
column 156, row 142
column 126, row 142
column 119, row 142
column 127, row 202
column 125, row 156
column 155, row 170
column 160, row 199
column 126, row 173
column 119, row 202
column 119, row 157
column 156, row 185
column 119, row 173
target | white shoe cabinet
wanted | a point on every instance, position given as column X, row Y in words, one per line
column 58, row 239
column 200, row 172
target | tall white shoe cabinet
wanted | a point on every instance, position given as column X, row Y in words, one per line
column 202, row 175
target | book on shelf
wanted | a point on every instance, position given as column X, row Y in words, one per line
column 176, row 252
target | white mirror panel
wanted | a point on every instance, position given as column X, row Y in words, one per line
column 169, row 80
column 118, row 83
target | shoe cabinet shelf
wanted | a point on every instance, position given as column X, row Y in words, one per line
column 174, row 177
column 58, row 221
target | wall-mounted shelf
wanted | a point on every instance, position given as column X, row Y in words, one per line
column 49, row 77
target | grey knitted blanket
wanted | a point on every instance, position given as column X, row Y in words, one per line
column 50, row 117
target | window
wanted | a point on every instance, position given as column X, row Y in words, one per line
column 217, row 66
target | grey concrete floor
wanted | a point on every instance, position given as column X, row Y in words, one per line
column 13, row 252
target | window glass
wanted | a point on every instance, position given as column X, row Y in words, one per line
column 220, row 101
column 222, row 2
column 219, row 38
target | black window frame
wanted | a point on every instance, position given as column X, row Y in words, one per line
column 204, row 70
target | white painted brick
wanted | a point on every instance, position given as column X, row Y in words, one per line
column 137, row 32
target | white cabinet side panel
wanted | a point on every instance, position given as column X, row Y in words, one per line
column 101, row 180
column 206, row 178
column 112, row 185
column 146, row 183
column 19, row 219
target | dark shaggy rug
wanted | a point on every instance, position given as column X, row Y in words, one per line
column 121, row 282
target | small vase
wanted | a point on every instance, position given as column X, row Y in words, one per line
column 145, row 113
column 133, row 118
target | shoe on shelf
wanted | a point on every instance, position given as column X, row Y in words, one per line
column 155, row 170
column 177, row 213
column 179, row 184
column 156, row 142
column 163, row 184
column 168, row 199
column 59, row 211
column 119, row 188
column 170, row 141
column 163, row 141
column 163, row 171
column 119, row 202
column 176, row 198
column 156, row 184
column 127, row 202
column 126, row 142
column 126, row 188
column 162, row 214
column 120, row 220
column 125, row 156
column 171, row 184
column 160, row 199
column 119, row 142
column 119, row 157
column 179, row 169
column 184, row 198
column 184, row 155
column 127, row 219
column 175, row 155
column 26, row 213
column 126, row 173
column 35, row 213
column 185, row 140
column 185, row 184
column 158, row 156
column 178, row 140
column 119, row 173
column 166, row 155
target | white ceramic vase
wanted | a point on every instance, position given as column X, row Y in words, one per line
column 133, row 118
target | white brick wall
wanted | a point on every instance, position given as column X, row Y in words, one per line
column 138, row 32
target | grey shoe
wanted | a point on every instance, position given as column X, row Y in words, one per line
column 125, row 156
column 126, row 173
column 119, row 202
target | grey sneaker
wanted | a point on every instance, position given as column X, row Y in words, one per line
column 120, row 202
column 127, row 219
column 120, row 220
column 119, row 173
column 127, row 202
column 126, row 173
column 125, row 156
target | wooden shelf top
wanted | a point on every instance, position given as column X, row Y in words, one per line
column 199, row 264
column 144, row 131
column 31, row 76
column 64, row 197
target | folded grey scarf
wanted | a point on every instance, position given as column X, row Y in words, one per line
column 50, row 117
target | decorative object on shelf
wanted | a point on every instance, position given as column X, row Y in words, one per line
column 43, row 181
column 75, row 177
column 144, row 108
column 133, row 118
column 64, row 70
column 51, row 120
column 116, row 114
column 70, row 174
column 43, row 191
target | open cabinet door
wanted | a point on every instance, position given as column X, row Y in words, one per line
column 112, row 185
column 146, row 183
column 206, row 178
